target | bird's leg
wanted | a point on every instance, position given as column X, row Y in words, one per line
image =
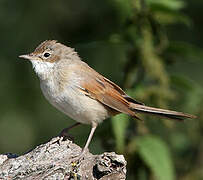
column 94, row 126
column 64, row 132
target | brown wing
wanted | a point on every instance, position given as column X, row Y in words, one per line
column 105, row 91
column 124, row 95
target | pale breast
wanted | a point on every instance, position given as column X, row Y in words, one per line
column 74, row 103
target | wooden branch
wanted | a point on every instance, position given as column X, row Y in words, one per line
column 57, row 160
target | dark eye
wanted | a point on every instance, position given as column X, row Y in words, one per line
column 46, row 55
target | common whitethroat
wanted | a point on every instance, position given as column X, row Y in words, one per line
column 80, row 92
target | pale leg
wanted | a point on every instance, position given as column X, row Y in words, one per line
column 94, row 126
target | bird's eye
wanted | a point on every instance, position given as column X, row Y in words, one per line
column 46, row 55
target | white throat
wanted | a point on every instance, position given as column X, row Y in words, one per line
column 42, row 68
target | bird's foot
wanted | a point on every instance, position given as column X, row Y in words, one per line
column 79, row 157
column 65, row 135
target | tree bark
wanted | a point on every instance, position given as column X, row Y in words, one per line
column 57, row 159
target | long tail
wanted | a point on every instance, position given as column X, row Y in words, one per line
column 161, row 112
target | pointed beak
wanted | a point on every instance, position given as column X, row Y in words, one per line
column 26, row 56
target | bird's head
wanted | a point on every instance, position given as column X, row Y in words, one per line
column 47, row 55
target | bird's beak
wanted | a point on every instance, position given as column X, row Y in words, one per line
column 26, row 56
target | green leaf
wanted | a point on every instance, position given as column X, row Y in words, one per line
column 119, row 125
column 156, row 155
column 169, row 4
column 171, row 17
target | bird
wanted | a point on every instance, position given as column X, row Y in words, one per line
column 80, row 92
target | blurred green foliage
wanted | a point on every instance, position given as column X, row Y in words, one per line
column 151, row 48
column 155, row 154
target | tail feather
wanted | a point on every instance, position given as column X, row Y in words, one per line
column 161, row 112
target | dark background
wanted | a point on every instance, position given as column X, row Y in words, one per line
column 152, row 49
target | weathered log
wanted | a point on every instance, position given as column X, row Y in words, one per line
column 57, row 159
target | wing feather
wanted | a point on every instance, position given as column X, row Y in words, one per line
column 103, row 90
